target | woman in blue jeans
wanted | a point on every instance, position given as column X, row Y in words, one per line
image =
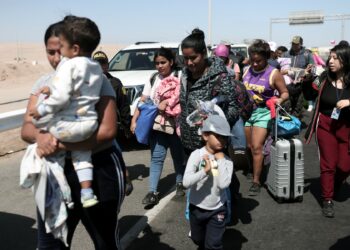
column 160, row 141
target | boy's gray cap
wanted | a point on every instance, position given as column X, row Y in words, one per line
column 216, row 124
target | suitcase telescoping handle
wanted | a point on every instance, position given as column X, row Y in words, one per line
column 274, row 133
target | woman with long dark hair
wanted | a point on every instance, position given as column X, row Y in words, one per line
column 164, row 60
column 100, row 221
column 203, row 79
column 331, row 122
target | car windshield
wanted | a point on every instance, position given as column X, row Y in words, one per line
column 240, row 50
column 141, row 59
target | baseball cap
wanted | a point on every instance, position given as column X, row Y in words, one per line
column 222, row 50
column 100, row 56
column 297, row 40
column 216, row 124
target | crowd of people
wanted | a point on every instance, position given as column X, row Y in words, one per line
column 71, row 124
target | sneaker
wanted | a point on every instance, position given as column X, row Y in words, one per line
column 180, row 189
column 151, row 198
column 328, row 209
column 254, row 189
column 310, row 108
column 89, row 201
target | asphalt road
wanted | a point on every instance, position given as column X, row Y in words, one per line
column 18, row 228
column 259, row 222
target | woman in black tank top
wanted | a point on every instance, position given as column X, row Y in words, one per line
column 332, row 124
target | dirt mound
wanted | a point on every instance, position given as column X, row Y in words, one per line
column 22, row 72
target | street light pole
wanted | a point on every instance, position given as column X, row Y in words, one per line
column 342, row 27
column 209, row 22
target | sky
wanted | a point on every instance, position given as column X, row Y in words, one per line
column 129, row 21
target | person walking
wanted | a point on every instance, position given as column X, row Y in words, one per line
column 101, row 220
column 203, row 79
column 160, row 141
column 123, row 104
column 208, row 173
column 68, row 111
column 300, row 71
column 123, row 109
column 261, row 80
column 331, row 123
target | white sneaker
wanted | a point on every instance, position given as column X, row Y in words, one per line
column 310, row 108
column 89, row 202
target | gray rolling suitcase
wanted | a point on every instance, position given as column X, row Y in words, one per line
column 285, row 179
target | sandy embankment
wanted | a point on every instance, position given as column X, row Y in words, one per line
column 20, row 66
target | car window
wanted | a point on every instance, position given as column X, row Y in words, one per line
column 119, row 61
column 240, row 50
column 141, row 59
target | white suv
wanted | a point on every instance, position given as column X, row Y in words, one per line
column 134, row 66
column 241, row 49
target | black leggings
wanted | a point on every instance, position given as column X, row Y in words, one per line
column 101, row 220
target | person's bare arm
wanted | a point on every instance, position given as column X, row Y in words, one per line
column 29, row 131
column 237, row 76
column 106, row 132
column 47, row 144
column 280, row 85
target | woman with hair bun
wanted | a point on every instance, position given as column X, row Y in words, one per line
column 261, row 80
column 203, row 79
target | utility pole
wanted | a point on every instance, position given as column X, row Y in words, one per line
column 342, row 27
column 209, row 22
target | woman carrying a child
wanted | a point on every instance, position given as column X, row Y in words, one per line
column 101, row 220
column 164, row 90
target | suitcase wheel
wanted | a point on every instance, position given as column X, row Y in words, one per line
column 300, row 199
column 279, row 200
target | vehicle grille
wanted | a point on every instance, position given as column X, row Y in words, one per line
column 134, row 92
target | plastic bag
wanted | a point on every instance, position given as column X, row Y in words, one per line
column 204, row 109
column 288, row 126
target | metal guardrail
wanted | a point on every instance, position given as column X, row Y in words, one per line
column 11, row 120
column 10, row 102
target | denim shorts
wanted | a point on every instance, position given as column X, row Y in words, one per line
column 261, row 117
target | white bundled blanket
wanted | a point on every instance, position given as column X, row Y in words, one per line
column 51, row 190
